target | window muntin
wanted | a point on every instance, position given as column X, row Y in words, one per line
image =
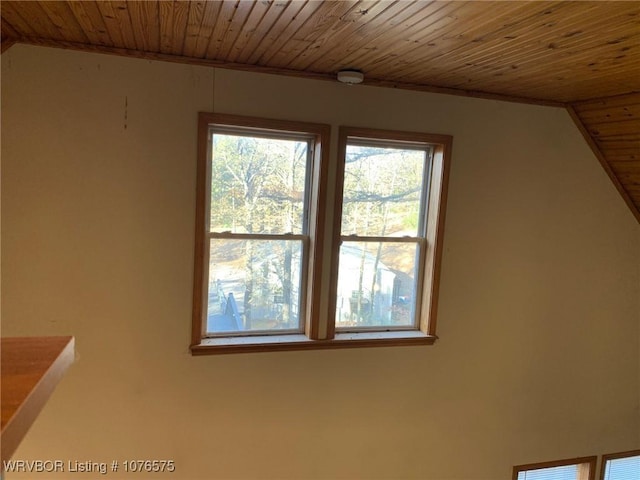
column 382, row 234
column 621, row 466
column 572, row 469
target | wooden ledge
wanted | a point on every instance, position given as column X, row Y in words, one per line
column 31, row 369
column 274, row 343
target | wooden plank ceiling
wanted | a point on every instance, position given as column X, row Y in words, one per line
column 581, row 55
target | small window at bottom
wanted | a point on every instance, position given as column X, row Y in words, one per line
column 621, row 466
column 573, row 469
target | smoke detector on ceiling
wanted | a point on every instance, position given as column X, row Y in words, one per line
column 350, row 77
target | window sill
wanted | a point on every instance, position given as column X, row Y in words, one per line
column 273, row 343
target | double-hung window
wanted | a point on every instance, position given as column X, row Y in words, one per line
column 387, row 231
column 257, row 232
column 280, row 265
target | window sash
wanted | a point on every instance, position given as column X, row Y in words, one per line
column 267, row 134
column 389, row 143
column 304, row 261
column 416, row 306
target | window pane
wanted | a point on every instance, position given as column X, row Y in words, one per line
column 376, row 284
column 623, row 469
column 567, row 472
column 258, row 184
column 254, row 285
column 382, row 191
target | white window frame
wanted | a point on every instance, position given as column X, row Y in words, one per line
column 322, row 241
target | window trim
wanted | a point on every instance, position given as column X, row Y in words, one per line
column 429, row 274
column 317, row 199
column 589, row 461
column 615, row 456
column 319, row 330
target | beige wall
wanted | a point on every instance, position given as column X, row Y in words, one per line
column 539, row 307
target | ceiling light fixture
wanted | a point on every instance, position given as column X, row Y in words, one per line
column 350, row 77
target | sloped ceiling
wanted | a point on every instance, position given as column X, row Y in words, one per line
column 584, row 56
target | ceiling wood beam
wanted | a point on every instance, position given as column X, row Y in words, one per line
column 603, row 161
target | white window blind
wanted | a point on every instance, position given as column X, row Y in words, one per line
column 566, row 472
column 622, row 469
